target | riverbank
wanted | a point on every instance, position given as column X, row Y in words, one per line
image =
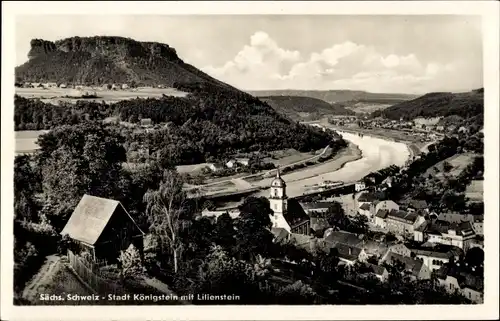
column 349, row 154
column 414, row 147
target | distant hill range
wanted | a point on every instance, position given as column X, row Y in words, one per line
column 298, row 107
column 440, row 104
column 102, row 60
column 338, row 96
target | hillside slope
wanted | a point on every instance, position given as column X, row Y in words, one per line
column 298, row 107
column 213, row 121
column 101, row 60
column 466, row 105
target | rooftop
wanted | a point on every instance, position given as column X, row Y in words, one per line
column 367, row 197
column 351, row 239
column 402, row 216
column 417, row 204
column 465, row 279
column 411, row 265
column 382, row 213
column 90, row 217
column 316, row 205
column 347, row 252
column 365, row 207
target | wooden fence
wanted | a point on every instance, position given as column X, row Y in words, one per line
column 90, row 275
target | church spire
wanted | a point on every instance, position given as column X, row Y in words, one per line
column 278, row 172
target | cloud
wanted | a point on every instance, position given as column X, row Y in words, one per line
column 263, row 64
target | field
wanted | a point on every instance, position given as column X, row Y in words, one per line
column 289, row 156
column 363, row 107
column 57, row 95
column 458, row 163
column 26, row 140
column 474, row 191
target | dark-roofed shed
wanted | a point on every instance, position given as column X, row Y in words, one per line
column 104, row 227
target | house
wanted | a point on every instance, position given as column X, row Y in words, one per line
column 400, row 249
column 366, row 198
column 463, row 129
column 231, row 163
column 478, row 226
column 359, row 186
column 451, row 128
column 387, row 205
column 103, row 227
column 418, row 232
column 306, row 242
column 280, row 234
column 349, row 254
column 378, row 271
column 433, row 259
column 146, row 122
column 365, row 209
column 333, row 237
column 51, row 85
column 233, row 213
column 243, row 161
column 459, row 217
column 216, row 167
column 442, row 232
column 387, row 183
column 412, row 267
column 373, row 248
column 316, row 207
column 417, row 205
column 63, row 86
column 402, row 222
column 380, row 218
column 115, row 87
column 125, row 86
column 440, row 128
column 454, row 279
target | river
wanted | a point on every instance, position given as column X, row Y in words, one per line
column 377, row 153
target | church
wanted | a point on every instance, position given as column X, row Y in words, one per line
column 288, row 214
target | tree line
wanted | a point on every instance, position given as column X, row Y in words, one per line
column 196, row 129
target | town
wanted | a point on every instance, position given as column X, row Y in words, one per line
column 140, row 179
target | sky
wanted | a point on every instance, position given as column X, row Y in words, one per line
column 393, row 53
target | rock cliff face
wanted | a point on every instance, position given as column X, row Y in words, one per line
column 100, row 60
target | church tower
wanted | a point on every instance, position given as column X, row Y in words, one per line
column 278, row 202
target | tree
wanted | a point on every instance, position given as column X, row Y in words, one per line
column 447, row 167
column 475, row 257
column 223, row 274
column 296, row 293
column 335, row 215
column 78, row 160
column 225, row 232
column 26, row 184
column 165, row 208
column 253, row 225
column 131, row 263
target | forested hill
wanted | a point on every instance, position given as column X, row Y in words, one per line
column 102, row 60
column 466, row 105
column 206, row 125
column 299, row 107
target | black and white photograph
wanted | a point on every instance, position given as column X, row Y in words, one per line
column 250, row 159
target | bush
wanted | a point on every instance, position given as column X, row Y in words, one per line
column 131, row 262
